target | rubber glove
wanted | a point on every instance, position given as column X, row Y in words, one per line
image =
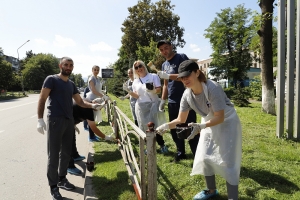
column 77, row 130
column 41, row 126
column 98, row 100
column 162, row 128
column 161, row 107
column 126, row 88
column 163, row 75
column 109, row 138
column 105, row 97
column 97, row 106
column 196, row 129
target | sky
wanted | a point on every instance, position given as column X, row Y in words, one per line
column 89, row 31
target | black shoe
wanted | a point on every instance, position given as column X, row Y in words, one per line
column 177, row 157
column 65, row 184
column 55, row 194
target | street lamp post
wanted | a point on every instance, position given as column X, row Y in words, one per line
column 19, row 67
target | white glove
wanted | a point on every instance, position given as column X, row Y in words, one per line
column 122, row 98
column 162, row 128
column 109, row 138
column 161, row 107
column 163, row 75
column 98, row 100
column 41, row 126
column 125, row 87
column 97, row 106
column 196, row 129
column 77, row 130
column 105, row 97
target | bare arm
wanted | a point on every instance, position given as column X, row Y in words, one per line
column 94, row 128
column 93, row 89
column 164, row 95
column 42, row 100
column 173, row 77
column 182, row 116
column 217, row 119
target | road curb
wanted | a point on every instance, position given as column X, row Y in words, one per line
column 89, row 193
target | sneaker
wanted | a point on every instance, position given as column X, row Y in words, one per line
column 177, row 157
column 94, row 139
column 164, row 149
column 74, row 171
column 79, row 158
column 204, row 194
column 86, row 129
column 55, row 194
column 65, row 184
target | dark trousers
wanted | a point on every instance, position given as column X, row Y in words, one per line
column 60, row 132
column 74, row 153
column 85, row 124
column 91, row 134
column 180, row 143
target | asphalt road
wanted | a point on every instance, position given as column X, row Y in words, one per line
column 23, row 153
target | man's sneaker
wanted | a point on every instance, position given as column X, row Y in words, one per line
column 65, row 184
column 95, row 139
column 79, row 158
column 74, row 171
column 204, row 194
column 55, row 194
column 164, row 149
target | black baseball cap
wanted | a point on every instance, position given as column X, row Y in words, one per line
column 161, row 42
column 186, row 68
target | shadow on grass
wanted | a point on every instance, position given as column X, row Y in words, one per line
column 270, row 180
column 170, row 190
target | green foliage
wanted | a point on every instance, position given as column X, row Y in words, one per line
column 148, row 20
column 37, row 68
column 230, row 35
column 6, row 74
column 239, row 96
column 77, row 79
column 256, row 88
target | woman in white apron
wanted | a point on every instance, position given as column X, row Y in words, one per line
column 219, row 149
column 145, row 88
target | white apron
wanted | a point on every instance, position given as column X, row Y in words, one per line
column 91, row 96
column 219, row 150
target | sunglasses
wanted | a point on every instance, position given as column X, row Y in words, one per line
column 136, row 67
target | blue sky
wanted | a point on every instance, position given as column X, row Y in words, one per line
column 89, row 31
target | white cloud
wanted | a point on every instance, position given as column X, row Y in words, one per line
column 63, row 42
column 194, row 47
column 41, row 41
column 101, row 46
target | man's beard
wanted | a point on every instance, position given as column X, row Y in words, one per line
column 65, row 73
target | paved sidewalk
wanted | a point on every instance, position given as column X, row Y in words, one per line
column 83, row 183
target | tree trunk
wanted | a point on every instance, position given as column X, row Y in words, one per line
column 266, row 35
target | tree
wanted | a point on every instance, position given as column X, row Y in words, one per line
column 6, row 74
column 37, row 68
column 148, row 21
column 230, row 35
column 77, row 79
column 266, row 34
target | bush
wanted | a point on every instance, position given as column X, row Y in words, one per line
column 256, row 88
column 239, row 95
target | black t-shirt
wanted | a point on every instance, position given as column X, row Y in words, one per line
column 80, row 114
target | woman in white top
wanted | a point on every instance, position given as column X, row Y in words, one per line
column 145, row 88
column 132, row 100
column 95, row 86
column 219, row 149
